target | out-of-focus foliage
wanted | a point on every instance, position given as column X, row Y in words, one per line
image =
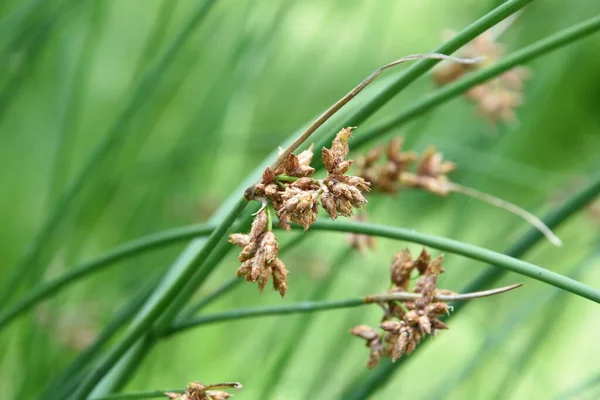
column 252, row 73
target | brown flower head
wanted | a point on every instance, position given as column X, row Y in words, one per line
column 341, row 193
column 197, row 391
column 374, row 343
column 384, row 176
column 496, row 99
column 406, row 324
column 431, row 173
column 260, row 255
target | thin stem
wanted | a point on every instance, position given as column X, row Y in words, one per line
column 311, row 306
column 404, row 296
column 128, row 250
column 467, row 250
column 286, row 178
column 448, row 92
column 153, row 394
column 344, row 100
column 225, row 385
column 495, row 201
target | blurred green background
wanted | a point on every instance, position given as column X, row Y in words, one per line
column 250, row 74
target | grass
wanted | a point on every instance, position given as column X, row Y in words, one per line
column 120, row 121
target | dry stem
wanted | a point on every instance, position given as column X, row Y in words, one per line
column 407, row 296
column 526, row 215
column 344, row 100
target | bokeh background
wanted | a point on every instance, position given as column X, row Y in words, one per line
column 250, row 74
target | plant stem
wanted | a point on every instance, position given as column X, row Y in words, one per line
column 528, row 53
column 157, row 305
column 128, row 250
column 477, row 253
column 153, row 394
column 310, row 306
column 495, row 201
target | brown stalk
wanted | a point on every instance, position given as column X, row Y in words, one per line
column 344, row 100
column 526, row 215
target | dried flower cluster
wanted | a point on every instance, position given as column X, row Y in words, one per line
column 393, row 173
column 497, row 98
column 291, row 191
column 406, row 323
column 197, row 391
column 260, row 255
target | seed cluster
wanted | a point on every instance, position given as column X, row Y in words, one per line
column 260, row 255
column 292, row 192
column 498, row 98
column 393, row 173
column 406, row 323
column 197, row 391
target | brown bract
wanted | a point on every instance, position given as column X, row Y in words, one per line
column 260, row 255
column 341, row 193
column 405, row 324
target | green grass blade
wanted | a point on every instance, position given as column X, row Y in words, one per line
column 139, row 97
column 85, row 270
column 153, row 394
column 68, row 378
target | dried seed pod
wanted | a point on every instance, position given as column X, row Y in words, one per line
column 260, row 255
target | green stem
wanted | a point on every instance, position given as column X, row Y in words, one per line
column 128, row 250
column 365, row 387
column 157, row 305
column 537, row 49
column 286, row 178
column 310, row 306
column 477, row 253
column 153, row 394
